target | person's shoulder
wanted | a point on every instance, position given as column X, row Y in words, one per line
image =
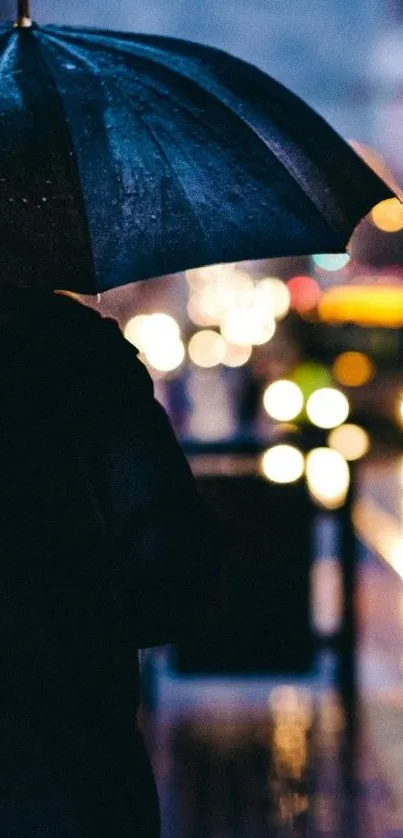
column 97, row 346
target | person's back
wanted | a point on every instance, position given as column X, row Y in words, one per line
column 103, row 544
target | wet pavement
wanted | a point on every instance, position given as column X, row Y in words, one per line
column 275, row 757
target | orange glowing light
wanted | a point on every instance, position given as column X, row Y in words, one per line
column 353, row 369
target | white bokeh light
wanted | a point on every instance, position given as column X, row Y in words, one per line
column 327, row 407
column 328, row 477
column 207, row 348
column 283, row 400
column 283, row 464
column 247, row 326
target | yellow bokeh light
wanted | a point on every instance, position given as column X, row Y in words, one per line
column 247, row 326
column 283, row 400
column 207, row 348
column 282, row 464
column 235, row 355
column 353, row 369
column 400, row 410
column 377, row 305
column 350, row 440
column 327, row 407
column 388, row 215
column 328, row 477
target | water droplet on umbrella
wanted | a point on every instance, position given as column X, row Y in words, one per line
column 70, row 67
column 48, row 181
column 24, row 200
column 3, row 180
column 153, row 216
column 11, row 200
column 44, row 200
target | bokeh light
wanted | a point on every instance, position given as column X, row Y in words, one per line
column 207, row 348
column 310, row 376
column 166, row 357
column 157, row 336
column 158, row 327
column 388, row 215
column 282, row 464
column 400, row 410
column 350, row 440
column 353, row 369
column 272, row 295
column 327, row 407
column 283, row 400
column 304, row 292
column 331, row 261
column 376, row 305
column 247, row 326
column 328, row 477
column 235, row 355
column 135, row 331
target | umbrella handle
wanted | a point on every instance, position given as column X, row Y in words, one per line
column 23, row 15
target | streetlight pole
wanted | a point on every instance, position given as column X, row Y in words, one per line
column 23, row 15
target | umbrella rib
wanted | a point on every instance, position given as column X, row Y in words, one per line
column 181, row 75
column 77, row 55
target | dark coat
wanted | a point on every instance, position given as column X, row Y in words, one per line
column 106, row 547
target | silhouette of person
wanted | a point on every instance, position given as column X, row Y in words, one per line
column 106, row 547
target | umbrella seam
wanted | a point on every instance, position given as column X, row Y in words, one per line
column 339, row 232
column 149, row 130
column 72, row 146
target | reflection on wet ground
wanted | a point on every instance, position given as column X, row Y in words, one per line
column 278, row 765
column 287, row 757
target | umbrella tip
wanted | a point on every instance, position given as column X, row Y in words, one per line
column 23, row 15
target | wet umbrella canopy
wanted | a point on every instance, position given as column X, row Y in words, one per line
column 127, row 156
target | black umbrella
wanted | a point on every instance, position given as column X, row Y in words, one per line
column 127, row 156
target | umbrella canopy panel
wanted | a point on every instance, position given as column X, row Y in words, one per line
column 125, row 157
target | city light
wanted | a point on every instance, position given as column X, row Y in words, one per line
column 165, row 357
column 400, row 410
column 351, row 441
column 353, row 369
column 247, row 326
column 327, row 407
column 328, row 477
column 157, row 336
column 273, row 296
column 377, row 305
column 305, row 293
column 134, row 331
column 207, row 348
column 235, row 355
column 282, row 464
column 331, row 261
column 283, row 400
column 388, row 215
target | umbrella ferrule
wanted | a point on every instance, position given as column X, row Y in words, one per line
column 24, row 20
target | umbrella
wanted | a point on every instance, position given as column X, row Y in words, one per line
column 125, row 157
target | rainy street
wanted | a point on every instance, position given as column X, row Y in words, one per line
column 273, row 755
column 201, row 424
